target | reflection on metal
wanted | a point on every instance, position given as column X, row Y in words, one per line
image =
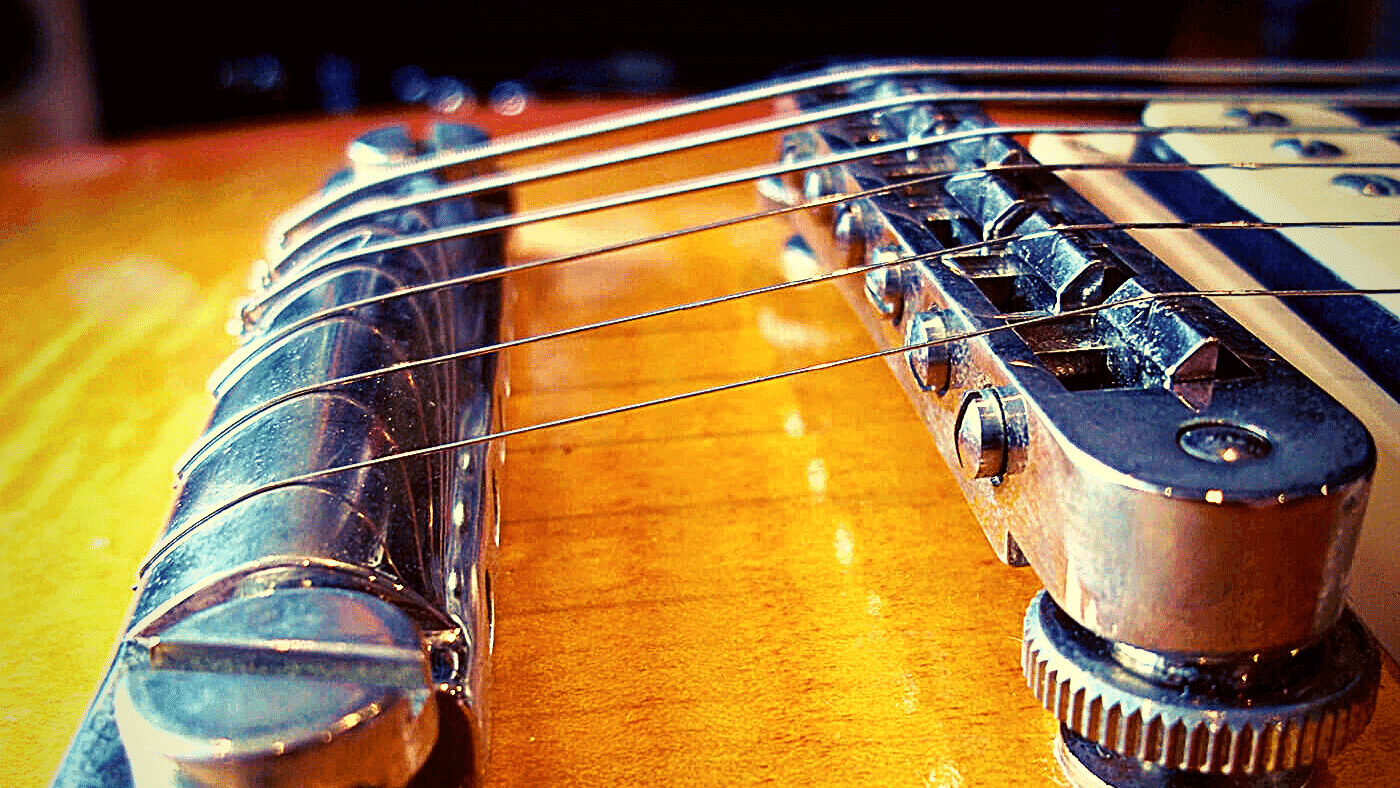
column 333, row 633
column 929, row 363
column 1181, row 490
column 980, row 435
column 284, row 689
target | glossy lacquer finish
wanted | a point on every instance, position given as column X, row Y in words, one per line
column 778, row 585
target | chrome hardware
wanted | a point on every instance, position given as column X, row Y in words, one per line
column 812, row 184
column 884, row 287
column 1005, row 223
column 1226, row 444
column 1130, row 714
column 382, row 147
column 1357, row 334
column 980, row 435
column 330, row 632
column 284, row 689
column 848, row 225
column 447, row 94
column 1141, row 450
column 852, row 232
column 508, row 98
column 454, row 137
column 818, row 183
column 930, row 364
column 1098, row 391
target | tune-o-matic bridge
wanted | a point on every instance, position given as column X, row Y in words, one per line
column 1191, row 502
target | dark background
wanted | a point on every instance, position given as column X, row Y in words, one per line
column 160, row 66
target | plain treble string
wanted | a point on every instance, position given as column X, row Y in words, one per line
column 947, row 175
column 185, row 530
column 1208, row 72
column 460, row 189
column 734, row 177
column 242, row 417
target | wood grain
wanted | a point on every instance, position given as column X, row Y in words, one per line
column 779, row 585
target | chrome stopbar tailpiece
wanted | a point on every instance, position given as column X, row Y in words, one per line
column 332, row 633
column 1190, row 501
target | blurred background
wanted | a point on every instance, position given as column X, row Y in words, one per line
column 78, row 70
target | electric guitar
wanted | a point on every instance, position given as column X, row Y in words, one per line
column 777, row 583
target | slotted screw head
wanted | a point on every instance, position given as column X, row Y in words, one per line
column 930, row 364
column 847, row 225
column 980, row 435
column 884, row 287
column 300, row 688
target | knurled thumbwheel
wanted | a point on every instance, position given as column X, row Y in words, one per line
column 1252, row 715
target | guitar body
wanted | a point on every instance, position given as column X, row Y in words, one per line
column 780, row 584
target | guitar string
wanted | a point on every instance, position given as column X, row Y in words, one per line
column 633, row 406
column 734, row 177
column 641, row 405
column 1166, row 73
column 500, row 181
column 177, row 536
column 628, row 154
column 232, row 422
column 633, row 153
column 248, row 311
column 185, row 530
